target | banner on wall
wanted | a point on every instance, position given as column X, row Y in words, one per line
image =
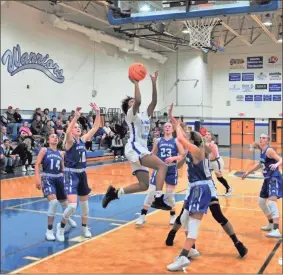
column 257, row 97
column 235, row 87
column 261, row 76
column 275, row 76
column 17, row 61
column 234, row 77
column 249, row 97
column 267, row 97
column 276, row 98
column 237, row 63
column 275, row 87
column 255, row 62
column 246, row 88
column 240, row 98
column 273, row 61
column 248, row 77
column 261, row 86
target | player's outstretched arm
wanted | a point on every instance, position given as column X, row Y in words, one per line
column 68, row 142
column 153, row 103
column 88, row 136
column 137, row 103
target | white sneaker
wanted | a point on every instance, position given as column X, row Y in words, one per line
column 229, row 192
column 172, row 219
column 49, row 235
column 30, row 168
column 122, row 158
column 274, row 233
column 72, row 223
column 60, row 233
column 86, row 232
column 179, row 264
column 24, row 169
column 141, row 220
column 193, row 253
column 267, row 227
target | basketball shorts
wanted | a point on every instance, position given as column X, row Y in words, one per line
column 53, row 185
column 217, row 165
column 76, row 183
column 272, row 187
column 171, row 176
column 199, row 198
column 134, row 152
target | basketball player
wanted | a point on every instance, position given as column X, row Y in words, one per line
column 75, row 175
column 217, row 163
column 52, row 181
column 213, row 204
column 170, row 151
column 136, row 150
column 272, row 186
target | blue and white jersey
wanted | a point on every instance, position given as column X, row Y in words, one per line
column 167, row 148
column 52, row 162
column 198, row 172
column 265, row 163
column 139, row 126
column 75, row 157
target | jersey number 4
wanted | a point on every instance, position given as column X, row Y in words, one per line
column 165, row 152
column 57, row 165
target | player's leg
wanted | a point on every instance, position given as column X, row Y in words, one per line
column 218, row 167
column 71, row 182
column 148, row 200
column 274, row 192
column 170, row 199
column 227, row 226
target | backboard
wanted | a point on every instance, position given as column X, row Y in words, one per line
column 124, row 12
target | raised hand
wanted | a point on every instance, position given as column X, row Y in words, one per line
column 94, row 107
column 78, row 113
column 154, row 77
column 133, row 81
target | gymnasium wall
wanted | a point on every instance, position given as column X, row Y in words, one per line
column 74, row 54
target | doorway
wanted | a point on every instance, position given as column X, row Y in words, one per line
column 275, row 131
column 242, row 131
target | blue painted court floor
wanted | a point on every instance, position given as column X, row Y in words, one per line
column 24, row 222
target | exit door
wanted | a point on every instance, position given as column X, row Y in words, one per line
column 242, row 131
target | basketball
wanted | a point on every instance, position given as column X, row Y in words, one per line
column 137, row 71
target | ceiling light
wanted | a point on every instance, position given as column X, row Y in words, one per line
column 145, row 8
column 267, row 20
column 280, row 37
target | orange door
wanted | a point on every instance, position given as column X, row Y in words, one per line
column 279, row 130
column 248, row 132
column 236, row 132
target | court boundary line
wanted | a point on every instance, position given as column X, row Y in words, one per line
column 17, row 271
column 269, row 257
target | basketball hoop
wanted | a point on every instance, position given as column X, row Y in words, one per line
column 200, row 32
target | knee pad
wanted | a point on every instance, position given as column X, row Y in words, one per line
column 84, row 209
column 150, row 196
column 263, row 206
column 70, row 210
column 273, row 208
column 52, row 208
column 217, row 214
column 193, row 229
column 170, row 197
column 64, row 204
column 185, row 220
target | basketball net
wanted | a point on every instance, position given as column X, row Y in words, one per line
column 200, row 32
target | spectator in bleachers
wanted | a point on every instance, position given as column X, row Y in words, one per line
column 71, row 116
column 59, row 127
column 12, row 125
column 45, row 115
column 9, row 161
column 46, row 129
column 83, row 121
column 53, row 121
column 108, row 135
column 26, row 128
column 4, row 134
column 17, row 116
column 65, row 127
column 36, row 126
column 64, row 116
column 90, row 122
column 118, row 147
column 37, row 113
column 53, row 113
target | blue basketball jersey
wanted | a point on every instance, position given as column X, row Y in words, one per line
column 265, row 163
column 75, row 157
column 198, row 172
column 167, row 148
column 52, row 162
